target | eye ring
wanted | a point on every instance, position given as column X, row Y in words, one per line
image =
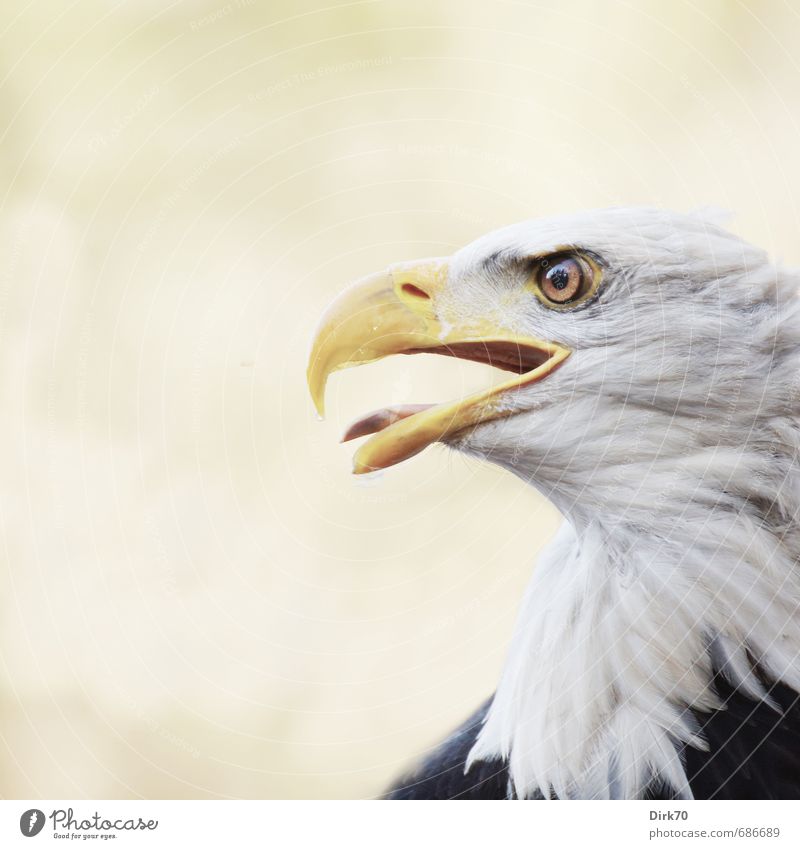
column 562, row 281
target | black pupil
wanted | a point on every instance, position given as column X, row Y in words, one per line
column 559, row 277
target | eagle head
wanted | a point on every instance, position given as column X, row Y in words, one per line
column 653, row 368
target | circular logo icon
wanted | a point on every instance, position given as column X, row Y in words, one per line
column 31, row 822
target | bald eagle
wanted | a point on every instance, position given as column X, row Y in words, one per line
column 653, row 396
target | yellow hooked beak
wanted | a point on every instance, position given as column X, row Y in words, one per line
column 396, row 312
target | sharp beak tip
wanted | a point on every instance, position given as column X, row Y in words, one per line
column 361, row 464
column 316, row 388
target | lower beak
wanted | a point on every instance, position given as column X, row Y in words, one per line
column 395, row 312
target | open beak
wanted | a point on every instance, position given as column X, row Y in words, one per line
column 395, row 312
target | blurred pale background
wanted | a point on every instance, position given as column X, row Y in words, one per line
column 198, row 600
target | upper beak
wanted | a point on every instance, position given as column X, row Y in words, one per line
column 397, row 312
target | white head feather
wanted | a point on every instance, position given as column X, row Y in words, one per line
column 669, row 441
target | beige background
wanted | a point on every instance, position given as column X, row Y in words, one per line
column 197, row 598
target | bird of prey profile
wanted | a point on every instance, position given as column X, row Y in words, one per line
column 653, row 396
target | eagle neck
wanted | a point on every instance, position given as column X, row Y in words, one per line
column 619, row 636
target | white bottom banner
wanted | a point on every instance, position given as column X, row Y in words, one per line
column 397, row 824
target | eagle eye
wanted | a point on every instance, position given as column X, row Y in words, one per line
column 564, row 280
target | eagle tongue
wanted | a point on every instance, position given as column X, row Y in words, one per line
column 381, row 419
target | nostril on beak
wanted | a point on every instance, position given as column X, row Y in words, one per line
column 415, row 292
